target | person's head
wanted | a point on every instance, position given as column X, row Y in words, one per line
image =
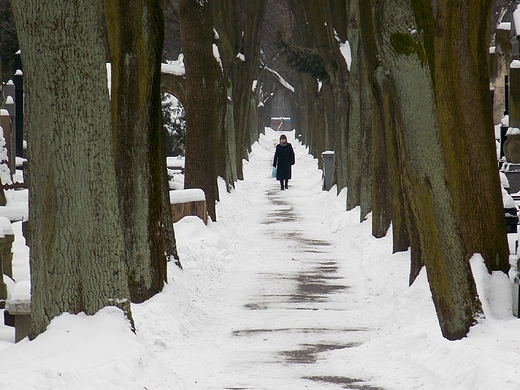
column 283, row 139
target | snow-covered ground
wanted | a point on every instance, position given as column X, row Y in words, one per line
column 286, row 291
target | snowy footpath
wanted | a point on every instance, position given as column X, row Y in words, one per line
column 286, row 291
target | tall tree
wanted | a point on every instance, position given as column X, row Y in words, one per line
column 136, row 35
column 203, row 93
column 243, row 72
column 77, row 255
column 458, row 61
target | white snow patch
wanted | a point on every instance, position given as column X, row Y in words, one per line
column 189, row 195
column 345, row 51
column 216, row 54
column 504, row 26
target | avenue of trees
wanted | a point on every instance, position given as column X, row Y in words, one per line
column 409, row 119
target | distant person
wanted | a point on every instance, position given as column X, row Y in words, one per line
column 283, row 160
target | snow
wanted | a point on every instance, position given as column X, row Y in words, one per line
column 19, row 298
column 18, row 72
column 173, row 69
column 345, row 51
column 9, row 100
column 3, row 111
column 513, row 131
column 241, row 57
column 504, row 180
column 109, row 78
column 5, row 171
column 504, row 26
column 492, row 49
column 515, row 64
column 189, row 195
column 216, row 54
column 505, row 120
column 176, row 161
column 240, row 314
column 507, row 200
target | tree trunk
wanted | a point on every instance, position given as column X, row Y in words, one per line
column 425, row 164
column 365, row 151
column 77, row 254
column 202, row 111
column 242, row 75
column 355, row 167
column 320, row 19
column 136, row 34
column 461, row 82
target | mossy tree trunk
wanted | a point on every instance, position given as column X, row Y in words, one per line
column 136, row 35
column 430, row 183
column 77, row 251
column 203, row 75
column 459, row 67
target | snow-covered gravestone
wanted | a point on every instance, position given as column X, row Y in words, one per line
column 6, row 256
column 188, row 202
column 6, row 122
column 5, row 171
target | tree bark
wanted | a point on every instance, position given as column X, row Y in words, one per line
column 242, row 75
column 320, row 19
column 425, row 166
column 136, row 35
column 202, row 87
column 77, row 254
column 459, row 67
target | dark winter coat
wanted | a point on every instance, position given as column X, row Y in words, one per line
column 283, row 160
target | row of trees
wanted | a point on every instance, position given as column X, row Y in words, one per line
column 411, row 124
column 409, row 119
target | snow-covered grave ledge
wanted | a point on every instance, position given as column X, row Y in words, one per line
column 188, row 202
column 18, row 305
column 6, row 256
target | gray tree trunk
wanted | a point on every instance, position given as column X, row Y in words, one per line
column 77, row 254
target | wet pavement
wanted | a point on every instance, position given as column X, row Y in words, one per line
column 308, row 293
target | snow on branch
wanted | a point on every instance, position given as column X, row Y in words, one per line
column 280, row 79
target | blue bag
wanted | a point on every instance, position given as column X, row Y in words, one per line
column 273, row 173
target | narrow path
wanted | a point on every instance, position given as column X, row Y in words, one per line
column 284, row 304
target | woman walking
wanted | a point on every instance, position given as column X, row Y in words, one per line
column 283, row 160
